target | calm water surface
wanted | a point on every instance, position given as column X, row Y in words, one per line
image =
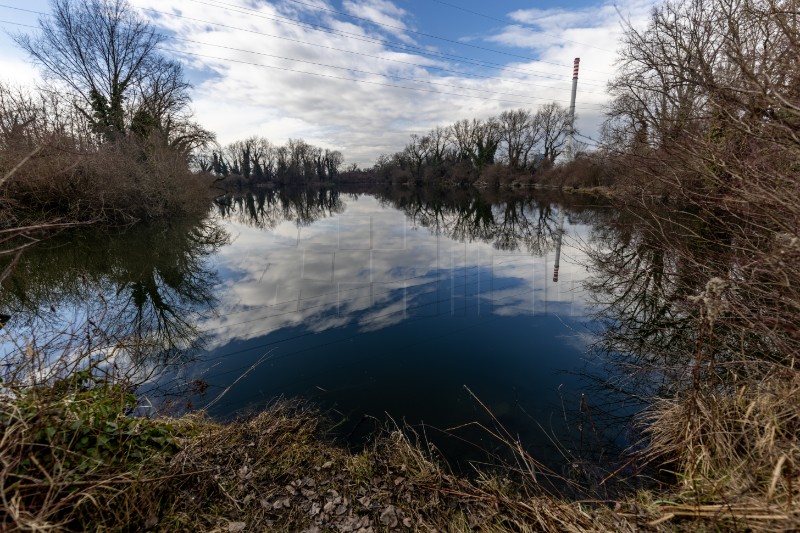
column 391, row 308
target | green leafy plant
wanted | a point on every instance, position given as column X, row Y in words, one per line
column 72, row 446
column 84, row 424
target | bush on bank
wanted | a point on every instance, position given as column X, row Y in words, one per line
column 115, row 184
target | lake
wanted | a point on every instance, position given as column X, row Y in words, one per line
column 461, row 317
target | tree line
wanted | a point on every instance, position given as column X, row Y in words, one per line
column 705, row 118
column 257, row 159
column 516, row 143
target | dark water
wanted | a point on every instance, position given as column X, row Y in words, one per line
column 397, row 307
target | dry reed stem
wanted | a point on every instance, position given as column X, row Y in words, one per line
column 19, row 165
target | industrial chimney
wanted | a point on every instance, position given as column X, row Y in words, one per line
column 569, row 151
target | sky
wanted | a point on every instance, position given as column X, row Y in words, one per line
column 361, row 76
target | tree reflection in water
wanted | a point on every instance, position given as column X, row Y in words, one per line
column 133, row 295
column 652, row 335
column 151, row 290
column 509, row 222
column 266, row 208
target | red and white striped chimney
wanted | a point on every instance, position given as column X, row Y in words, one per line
column 569, row 152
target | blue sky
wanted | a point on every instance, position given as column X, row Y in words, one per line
column 362, row 75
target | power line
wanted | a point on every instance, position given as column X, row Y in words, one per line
column 471, row 12
column 454, row 6
column 493, row 66
column 593, row 142
column 349, row 35
column 433, row 67
column 331, row 76
column 391, row 76
column 340, row 68
column 401, row 28
column 26, row 10
column 500, row 67
column 352, row 70
column 18, row 24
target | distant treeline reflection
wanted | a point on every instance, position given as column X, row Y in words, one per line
column 508, row 221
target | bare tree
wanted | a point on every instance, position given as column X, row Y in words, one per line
column 231, row 155
column 656, row 94
column 301, row 159
column 100, row 49
column 282, row 161
column 333, row 162
column 520, row 133
column 476, row 141
column 707, row 110
column 438, row 141
column 160, row 106
column 316, row 156
column 553, row 119
column 416, row 152
column 161, row 95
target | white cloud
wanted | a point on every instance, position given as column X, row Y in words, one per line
column 381, row 12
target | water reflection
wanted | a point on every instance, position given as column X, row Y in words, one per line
column 139, row 291
column 266, row 208
column 393, row 302
column 634, row 277
column 382, row 258
column 510, row 223
column 646, row 270
column 387, row 303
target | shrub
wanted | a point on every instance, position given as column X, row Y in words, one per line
column 72, row 456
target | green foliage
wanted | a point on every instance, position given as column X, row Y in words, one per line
column 75, row 459
column 144, row 124
column 107, row 117
column 81, row 425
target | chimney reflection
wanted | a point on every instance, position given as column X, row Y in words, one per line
column 559, row 235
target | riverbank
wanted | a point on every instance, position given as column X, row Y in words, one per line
column 73, row 459
column 62, row 165
column 52, row 189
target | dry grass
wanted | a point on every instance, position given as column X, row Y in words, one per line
column 54, row 170
column 275, row 471
column 724, row 427
column 72, row 460
column 734, row 451
column 109, row 184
